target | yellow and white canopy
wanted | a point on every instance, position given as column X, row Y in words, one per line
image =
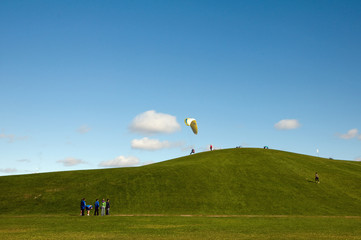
column 192, row 123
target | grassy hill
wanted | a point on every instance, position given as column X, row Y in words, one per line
column 231, row 181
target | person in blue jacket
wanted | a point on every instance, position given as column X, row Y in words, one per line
column 96, row 208
column 88, row 208
column 82, row 206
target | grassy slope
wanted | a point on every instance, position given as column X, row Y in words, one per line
column 178, row 228
column 232, row 181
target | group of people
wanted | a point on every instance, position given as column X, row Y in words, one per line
column 104, row 206
column 193, row 151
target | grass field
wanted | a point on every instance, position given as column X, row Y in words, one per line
column 231, row 181
column 229, row 194
column 179, row 227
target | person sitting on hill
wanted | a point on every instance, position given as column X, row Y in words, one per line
column 192, row 152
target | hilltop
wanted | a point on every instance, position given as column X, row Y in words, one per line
column 230, row 181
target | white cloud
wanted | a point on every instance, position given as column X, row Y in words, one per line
column 8, row 170
column 151, row 122
column 84, row 129
column 11, row 137
column 287, row 124
column 149, row 144
column 352, row 133
column 358, row 159
column 24, row 160
column 70, row 161
column 120, row 161
column 153, row 144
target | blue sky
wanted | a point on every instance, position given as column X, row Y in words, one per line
column 96, row 84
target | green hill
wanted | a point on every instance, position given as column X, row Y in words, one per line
column 231, row 181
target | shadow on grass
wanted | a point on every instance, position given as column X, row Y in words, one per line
column 311, row 181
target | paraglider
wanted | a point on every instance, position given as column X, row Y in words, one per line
column 192, row 123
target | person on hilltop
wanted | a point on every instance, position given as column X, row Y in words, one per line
column 82, row 206
column 211, row 147
column 193, row 152
column 96, row 208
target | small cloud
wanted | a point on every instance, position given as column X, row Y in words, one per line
column 9, row 137
column 358, row 159
column 149, row 144
column 8, row 170
column 24, row 160
column 153, row 144
column 151, row 122
column 68, row 162
column 83, row 129
column 12, row 138
column 120, row 161
column 352, row 133
column 287, row 124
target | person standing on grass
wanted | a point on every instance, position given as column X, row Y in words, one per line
column 317, row 179
column 82, row 206
column 211, row 147
column 107, row 206
column 96, row 208
column 102, row 206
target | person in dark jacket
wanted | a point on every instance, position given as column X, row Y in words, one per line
column 107, row 207
column 317, row 178
column 96, row 208
column 82, row 206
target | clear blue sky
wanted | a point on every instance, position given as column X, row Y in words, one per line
column 94, row 84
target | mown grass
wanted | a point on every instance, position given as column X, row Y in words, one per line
column 177, row 227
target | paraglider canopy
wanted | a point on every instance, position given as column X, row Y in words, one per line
column 192, row 123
